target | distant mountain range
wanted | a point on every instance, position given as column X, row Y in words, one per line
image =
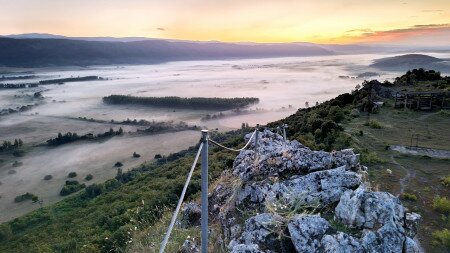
column 412, row 61
column 44, row 50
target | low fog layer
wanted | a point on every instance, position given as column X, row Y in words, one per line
column 282, row 85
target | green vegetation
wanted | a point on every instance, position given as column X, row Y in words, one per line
column 71, row 79
column 374, row 124
column 71, row 137
column 137, row 198
column 442, row 205
column 7, row 145
column 446, row 181
column 89, row 177
column 409, row 196
column 118, row 164
column 72, row 174
column 70, row 187
column 179, row 102
column 26, row 196
column 442, row 238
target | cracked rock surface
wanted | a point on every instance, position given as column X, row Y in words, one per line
column 285, row 197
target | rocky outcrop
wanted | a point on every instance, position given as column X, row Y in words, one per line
column 284, row 197
column 191, row 215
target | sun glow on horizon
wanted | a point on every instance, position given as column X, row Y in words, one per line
column 321, row 21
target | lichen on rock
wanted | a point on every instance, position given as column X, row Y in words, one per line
column 291, row 199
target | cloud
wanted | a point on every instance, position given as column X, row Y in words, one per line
column 364, row 30
column 432, row 10
column 368, row 35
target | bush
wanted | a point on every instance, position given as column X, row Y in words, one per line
column 118, row 164
column 136, row 155
column 72, row 175
column 446, row 181
column 71, row 187
column 89, row 177
column 441, row 204
column 370, row 158
column 442, row 238
column 24, row 197
column 5, row 232
column 374, row 124
column 48, row 177
column 409, row 196
column 158, row 156
column 93, row 190
column 18, row 153
column 17, row 164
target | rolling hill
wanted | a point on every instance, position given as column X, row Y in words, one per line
column 67, row 52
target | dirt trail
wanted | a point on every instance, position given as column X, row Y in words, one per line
column 406, row 178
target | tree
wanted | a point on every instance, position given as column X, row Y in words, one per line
column 72, row 174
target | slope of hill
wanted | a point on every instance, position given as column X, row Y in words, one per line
column 64, row 52
column 411, row 61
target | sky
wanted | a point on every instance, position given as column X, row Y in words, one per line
column 403, row 22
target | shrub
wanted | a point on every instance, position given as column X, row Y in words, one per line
column 93, row 190
column 5, row 232
column 89, row 177
column 441, row 204
column 136, row 155
column 48, row 177
column 18, row 153
column 71, row 187
column 72, row 174
column 370, row 158
column 118, row 164
column 374, row 124
column 17, row 164
column 409, row 196
column 442, row 238
column 158, row 156
column 24, row 197
column 446, row 181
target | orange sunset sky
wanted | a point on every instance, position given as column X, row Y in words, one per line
column 412, row 22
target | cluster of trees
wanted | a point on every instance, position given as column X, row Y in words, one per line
column 70, row 79
column 18, row 109
column 71, row 137
column 25, row 197
column 18, row 85
column 179, row 102
column 3, row 77
column 413, row 76
column 70, row 187
column 318, row 127
column 7, row 145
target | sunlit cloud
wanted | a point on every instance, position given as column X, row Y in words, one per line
column 366, row 35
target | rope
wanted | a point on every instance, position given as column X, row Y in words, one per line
column 180, row 201
column 232, row 149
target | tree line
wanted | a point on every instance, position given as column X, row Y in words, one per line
column 8, row 145
column 179, row 102
column 72, row 137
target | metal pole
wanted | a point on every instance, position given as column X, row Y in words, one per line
column 284, row 135
column 256, row 140
column 204, row 218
